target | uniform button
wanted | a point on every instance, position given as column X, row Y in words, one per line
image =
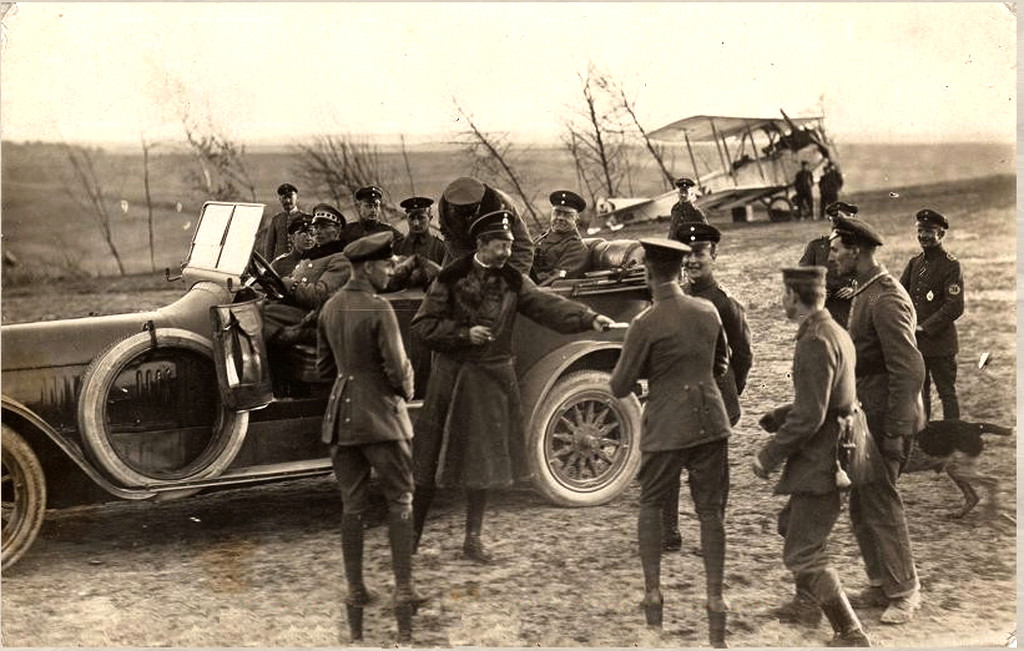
column 348, row 400
column 700, row 384
column 686, row 387
column 702, row 432
column 303, row 279
column 348, row 420
column 351, row 377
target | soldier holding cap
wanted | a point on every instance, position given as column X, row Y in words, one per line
column 839, row 289
column 807, row 434
column 300, row 240
column 561, row 252
column 679, row 345
column 272, row 236
column 370, row 208
column 699, row 269
column 683, row 211
column 464, row 200
column 423, row 252
column 367, row 424
column 935, row 282
column 890, row 374
column 470, row 431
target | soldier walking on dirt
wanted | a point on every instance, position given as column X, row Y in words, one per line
column 367, row 425
column 469, row 432
column 806, row 437
column 890, row 374
column 679, row 345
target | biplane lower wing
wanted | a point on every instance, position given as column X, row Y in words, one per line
column 730, row 198
column 616, row 212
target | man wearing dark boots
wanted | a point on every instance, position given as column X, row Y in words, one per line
column 807, row 434
column 469, row 431
column 367, row 425
column 680, row 346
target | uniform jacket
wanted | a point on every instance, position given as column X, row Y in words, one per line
column 272, row 238
column 285, row 263
column 682, row 213
column 428, row 247
column 829, row 185
column 560, row 251
column 426, row 244
column 737, row 334
column 359, row 342
column 804, row 183
column 679, row 345
column 456, row 233
column 824, row 388
column 935, row 282
column 890, row 369
column 816, row 254
column 352, row 232
column 319, row 274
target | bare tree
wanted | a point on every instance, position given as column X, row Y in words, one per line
column 339, row 165
column 408, row 168
column 222, row 172
column 627, row 105
column 490, row 154
column 83, row 167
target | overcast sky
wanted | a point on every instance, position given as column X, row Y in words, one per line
column 279, row 71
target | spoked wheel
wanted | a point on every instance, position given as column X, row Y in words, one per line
column 585, row 442
column 24, row 496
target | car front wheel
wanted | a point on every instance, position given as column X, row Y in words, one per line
column 24, row 496
column 584, row 442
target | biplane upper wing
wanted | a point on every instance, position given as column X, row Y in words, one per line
column 703, row 128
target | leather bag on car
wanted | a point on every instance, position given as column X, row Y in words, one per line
column 240, row 355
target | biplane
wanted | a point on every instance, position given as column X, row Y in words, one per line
column 737, row 162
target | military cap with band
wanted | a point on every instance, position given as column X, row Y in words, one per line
column 371, row 247
column 464, row 191
column 286, row 188
column 693, row 232
column 664, row 247
column 299, row 222
column 804, row 276
column 325, row 212
column 497, row 223
column 369, row 193
column 929, row 217
column 840, row 208
column 856, row 231
column 567, row 199
column 684, row 182
column 414, row 204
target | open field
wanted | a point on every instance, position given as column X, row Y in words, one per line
column 262, row 566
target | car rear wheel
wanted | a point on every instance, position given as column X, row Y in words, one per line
column 150, row 410
column 585, row 442
column 24, row 496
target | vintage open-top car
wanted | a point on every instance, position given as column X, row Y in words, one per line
column 137, row 406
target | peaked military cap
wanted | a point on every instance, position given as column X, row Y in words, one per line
column 856, row 230
column 840, row 207
column 929, row 217
column 498, row 223
column 325, row 212
column 567, row 199
column 685, row 182
column 464, row 191
column 286, row 188
column 692, row 232
column 413, row 204
column 664, row 247
column 804, row 276
column 371, row 247
column 299, row 222
column 369, row 193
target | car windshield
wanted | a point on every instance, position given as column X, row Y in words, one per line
column 224, row 237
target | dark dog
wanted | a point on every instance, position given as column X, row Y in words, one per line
column 954, row 446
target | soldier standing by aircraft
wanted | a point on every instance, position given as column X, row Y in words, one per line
column 683, row 211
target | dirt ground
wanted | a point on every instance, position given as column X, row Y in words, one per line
column 262, row 566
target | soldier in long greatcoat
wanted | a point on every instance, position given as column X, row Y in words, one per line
column 469, row 432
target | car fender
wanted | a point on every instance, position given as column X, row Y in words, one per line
column 539, row 378
column 23, row 419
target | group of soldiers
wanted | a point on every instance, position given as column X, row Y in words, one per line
column 865, row 350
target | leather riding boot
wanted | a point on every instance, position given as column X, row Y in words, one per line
column 473, row 547
column 421, row 500
column 400, row 534
column 801, row 609
column 717, row 613
column 671, row 540
column 352, row 554
column 649, row 536
column 845, row 623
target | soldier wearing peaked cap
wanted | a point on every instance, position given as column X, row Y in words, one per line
column 890, row 374
column 370, row 208
column 807, row 435
column 300, row 240
column 469, row 431
column 935, row 282
column 367, row 424
column 683, row 211
column 272, row 236
column 699, row 269
column 422, row 252
column 561, row 252
column 839, row 289
column 679, row 345
column 467, row 198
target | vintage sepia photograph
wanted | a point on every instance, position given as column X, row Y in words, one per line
column 519, row 324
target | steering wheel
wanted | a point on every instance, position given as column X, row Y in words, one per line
column 267, row 278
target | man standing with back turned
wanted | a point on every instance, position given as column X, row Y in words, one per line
column 679, row 345
column 890, row 373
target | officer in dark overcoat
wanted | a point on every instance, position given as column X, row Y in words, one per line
column 469, row 432
column 367, row 424
column 935, row 282
column 561, row 252
column 683, row 210
column 839, row 288
column 807, row 434
column 679, row 345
